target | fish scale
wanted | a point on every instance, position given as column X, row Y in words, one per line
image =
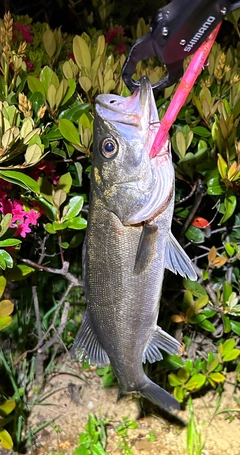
column 129, row 244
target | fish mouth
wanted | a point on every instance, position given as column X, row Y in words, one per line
column 138, row 110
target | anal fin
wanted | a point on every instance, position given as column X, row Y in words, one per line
column 146, row 247
column 86, row 344
column 177, row 260
column 160, row 340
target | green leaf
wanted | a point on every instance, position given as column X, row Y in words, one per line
column 59, row 198
column 77, row 223
column 179, row 393
column 195, row 288
column 3, row 283
column 97, row 449
column 228, row 345
column 76, row 240
column 108, row 379
column 195, row 234
column 3, row 264
column 33, row 154
column 227, row 324
column 174, row 380
column 183, row 375
column 5, row 224
column 213, row 365
column 215, row 186
column 69, row 131
column 49, row 42
column 222, row 166
column 230, row 203
column 232, row 355
column 201, row 131
column 81, row 53
column 201, row 302
column 231, row 248
column 217, row 377
column 77, row 174
column 209, row 312
column 5, row 439
column 181, row 144
column 48, row 77
column 196, row 382
column 20, row 179
column 49, row 210
column 64, row 245
column 5, row 322
column 74, row 207
column 227, row 291
column 207, row 325
column 7, row 407
column 49, row 228
column 20, row 272
column 74, row 113
column 7, row 258
column 59, row 226
column 175, row 361
column 37, row 100
column 51, row 96
column 65, row 182
column 35, row 85
column 71, row 89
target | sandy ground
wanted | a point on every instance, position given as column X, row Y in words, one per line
column 69, row 398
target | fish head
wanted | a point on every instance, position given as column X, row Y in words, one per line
column 130, row 183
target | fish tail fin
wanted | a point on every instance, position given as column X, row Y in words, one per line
column 158, row 396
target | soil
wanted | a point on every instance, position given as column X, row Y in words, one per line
column 71, row 394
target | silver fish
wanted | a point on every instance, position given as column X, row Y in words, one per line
column 129, row 244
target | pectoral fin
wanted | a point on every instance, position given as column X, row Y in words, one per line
column 146, row 247
column 177, row 260
column 160, row 340
column 86, row 344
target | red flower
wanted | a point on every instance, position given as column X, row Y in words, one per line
column 120, row 48
column 30, row 66
column 24, row 30
column 117, row 32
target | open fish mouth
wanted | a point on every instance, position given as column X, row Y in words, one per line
column 138, row 110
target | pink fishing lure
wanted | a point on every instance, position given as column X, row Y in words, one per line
column 185, row 86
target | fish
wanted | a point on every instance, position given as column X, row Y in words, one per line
column 129, row 244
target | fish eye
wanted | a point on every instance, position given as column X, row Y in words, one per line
column 109, row 147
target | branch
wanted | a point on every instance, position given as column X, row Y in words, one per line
column 63, row 271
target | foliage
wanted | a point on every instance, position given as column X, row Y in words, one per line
column 194, row 443
column 48, row 84
column 93, row 441
column 122, row 432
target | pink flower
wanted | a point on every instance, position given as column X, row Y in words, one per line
column 32, row 217
column 22, row 230
column 24, row 30
column 18, row 212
